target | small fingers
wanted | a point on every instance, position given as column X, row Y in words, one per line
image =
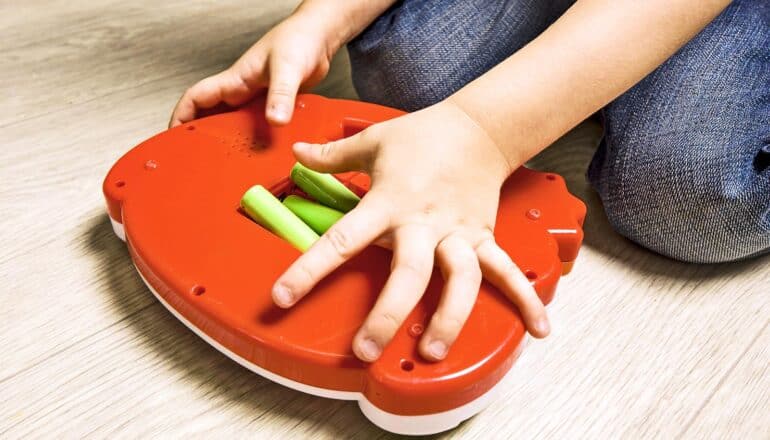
column 411, row 271
column 351, row 234
column 225, row 87
column 501, row 271
column 462, row 275
column 285, row 80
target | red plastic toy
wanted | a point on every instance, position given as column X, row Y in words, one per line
column 174, row 199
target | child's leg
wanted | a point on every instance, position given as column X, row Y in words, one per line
column 684, row 167
column 418, row 52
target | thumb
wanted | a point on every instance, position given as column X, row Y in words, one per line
column 349, row 154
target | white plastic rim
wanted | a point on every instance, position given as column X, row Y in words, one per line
column 118, row 228
column 399, row 424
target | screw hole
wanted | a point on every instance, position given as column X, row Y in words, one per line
column 120, row 184
column 530, row 275
column 198, row 290
column 191, row 127
column 533, row 214
column 407, row 365
column 416, row 330
column 550, row 177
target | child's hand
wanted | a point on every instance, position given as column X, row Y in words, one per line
column 436, row 179
column 294, row 54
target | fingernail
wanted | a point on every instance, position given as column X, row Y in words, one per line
column 437, row 349
column 301, row 146
column 282, row 295
column 279, row 113
column 543, row 326
column 370, row 349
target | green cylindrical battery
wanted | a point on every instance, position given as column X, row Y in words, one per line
column 319, row 217
column 265, row 209
column 325, row 188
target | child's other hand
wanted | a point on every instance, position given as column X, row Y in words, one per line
column 436, row 179
column 296, row 53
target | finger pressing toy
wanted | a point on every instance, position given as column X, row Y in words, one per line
column 213, row 211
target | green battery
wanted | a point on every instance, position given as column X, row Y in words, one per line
column 324, row 188
column 319, row 217
column 265, row 209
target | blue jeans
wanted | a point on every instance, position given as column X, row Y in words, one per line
column 684, row 165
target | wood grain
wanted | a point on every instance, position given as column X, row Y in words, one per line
column 642, row 346
column 733, row 407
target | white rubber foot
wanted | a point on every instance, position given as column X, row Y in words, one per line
column 118, row 228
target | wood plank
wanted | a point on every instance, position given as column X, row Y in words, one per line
column 91, row 50
column 740, row 407
column 148, row 376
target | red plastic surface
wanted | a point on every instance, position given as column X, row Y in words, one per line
column 177, row 195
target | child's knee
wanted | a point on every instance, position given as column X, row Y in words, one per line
column 707, row 204
column 682, row 168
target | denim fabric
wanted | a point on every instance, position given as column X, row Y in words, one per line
column 684, row 166
column 419, row 52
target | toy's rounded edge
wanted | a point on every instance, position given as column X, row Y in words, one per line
column 437, row 422
column 399, row 424
column 305, row 388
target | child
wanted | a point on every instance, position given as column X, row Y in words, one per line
column 684, row 92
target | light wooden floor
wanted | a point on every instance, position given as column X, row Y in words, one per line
column 642, row 346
